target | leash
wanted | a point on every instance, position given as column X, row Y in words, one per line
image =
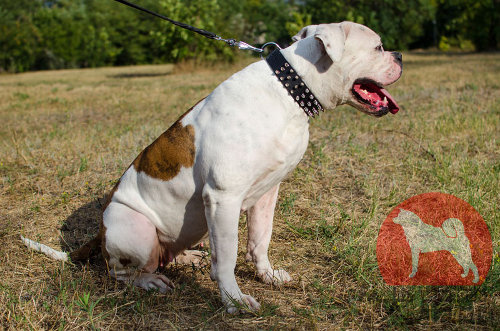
column 207, row 34
column 290, row 80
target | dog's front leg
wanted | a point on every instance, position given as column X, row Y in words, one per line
column 222, row 210
column 415, row 251
column 260, row 227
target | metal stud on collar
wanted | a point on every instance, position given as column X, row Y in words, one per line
column 283, row 71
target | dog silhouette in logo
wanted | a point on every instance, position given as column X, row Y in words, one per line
column 424, row 238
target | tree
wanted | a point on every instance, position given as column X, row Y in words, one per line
column 399, row 22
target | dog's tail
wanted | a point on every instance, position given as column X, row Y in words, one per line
column 453, row 228
column 82, row 253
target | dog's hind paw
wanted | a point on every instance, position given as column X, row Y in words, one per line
column 275, row 277
column 192, row 257
column 154, row 282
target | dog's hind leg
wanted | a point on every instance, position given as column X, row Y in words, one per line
column 132, row 249
column 260, row 226
column 475, row 272
column 467, row 264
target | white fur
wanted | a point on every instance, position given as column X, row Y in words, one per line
column 249, row 134
column 50, row 252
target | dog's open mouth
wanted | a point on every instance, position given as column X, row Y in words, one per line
column 374, row 98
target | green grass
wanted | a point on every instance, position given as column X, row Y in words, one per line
column 66, row 137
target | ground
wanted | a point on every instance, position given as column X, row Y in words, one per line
column 67, row 136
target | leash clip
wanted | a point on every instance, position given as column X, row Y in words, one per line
column 246, row 47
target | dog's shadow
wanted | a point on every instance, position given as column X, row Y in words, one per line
column 82, row 226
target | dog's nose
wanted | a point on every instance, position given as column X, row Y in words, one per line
column 398, row 56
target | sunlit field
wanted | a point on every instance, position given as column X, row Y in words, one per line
column 67, row 136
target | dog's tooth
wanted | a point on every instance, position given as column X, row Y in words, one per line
column 385, row 101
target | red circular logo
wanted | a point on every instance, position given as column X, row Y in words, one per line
column 434, row 239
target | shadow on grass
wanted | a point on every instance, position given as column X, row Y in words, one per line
column 82, row 225
column 139, row 74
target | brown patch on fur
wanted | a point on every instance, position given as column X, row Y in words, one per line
column 162, row 159
column 101, row 236
column 124, row 261
column 84, row 252
column 172, row 150
column 110, row 196
column 165, row 156
column 152, row 263
column 189, row 110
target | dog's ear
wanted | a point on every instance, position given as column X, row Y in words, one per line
column 332, row 38
column 305, row 32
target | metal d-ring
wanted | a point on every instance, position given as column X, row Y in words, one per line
column 271, row 43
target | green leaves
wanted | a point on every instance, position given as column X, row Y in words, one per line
column 89, row 33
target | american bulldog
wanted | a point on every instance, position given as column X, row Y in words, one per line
column 229, row 153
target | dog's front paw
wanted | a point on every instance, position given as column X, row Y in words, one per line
column 275, row 277
column 241, row 302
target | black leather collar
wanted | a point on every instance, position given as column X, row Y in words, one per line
column 295, row 86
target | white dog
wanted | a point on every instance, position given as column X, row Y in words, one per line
column 424, row 238
column 229, row 154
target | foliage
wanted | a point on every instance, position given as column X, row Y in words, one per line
column 51, row 34
column 476, row 20
column 399, row 22
column 183, row 44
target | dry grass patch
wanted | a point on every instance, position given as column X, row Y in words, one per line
column 67, row 136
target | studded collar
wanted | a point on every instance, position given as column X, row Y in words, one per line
column 295, row 86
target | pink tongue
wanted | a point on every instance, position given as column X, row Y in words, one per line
column 393, row 105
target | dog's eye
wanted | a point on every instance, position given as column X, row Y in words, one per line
column 379, row 48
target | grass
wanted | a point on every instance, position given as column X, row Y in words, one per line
column 66, row 137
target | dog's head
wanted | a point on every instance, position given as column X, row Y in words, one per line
column 351, row 58
column 406, row 218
